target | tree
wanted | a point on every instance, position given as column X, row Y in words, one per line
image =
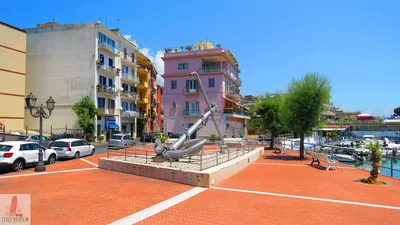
column 397, row 111
column 376, row 157
column 269, row 107
column 86, row 111
column 304, row 103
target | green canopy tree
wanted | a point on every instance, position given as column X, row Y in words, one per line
column 86, row 111
column 304, row 104
column 269, row 107
column 397, row 111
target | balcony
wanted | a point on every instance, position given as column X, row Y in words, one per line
column 104, row 89
column 129, row 78
column 236, row 113
column 210, row 69
column 107, row 69
column 234, row 77
column 108, row 111
column 188, row 91
column 128, row 60
column 191, row 112
column 142, row 115
column 108, row 48
column 129, row 114
column 143, row 85
column 143, row 100
column 129, row 96
column 154, row 90
column 233, row 93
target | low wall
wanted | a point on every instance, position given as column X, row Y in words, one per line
column 206, row 178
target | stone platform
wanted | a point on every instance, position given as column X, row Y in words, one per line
column 206, row 174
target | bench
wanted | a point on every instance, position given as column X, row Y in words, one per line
column 318, row 157
column 280, row 148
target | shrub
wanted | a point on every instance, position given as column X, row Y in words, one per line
column 213, row 137
column 163, row 139
column 101, row 138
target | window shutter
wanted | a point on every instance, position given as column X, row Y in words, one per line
column 195, row 84
column 197, row 106
column 187, row 106
column 187, row 85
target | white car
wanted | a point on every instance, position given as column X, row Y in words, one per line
column 18, row 154
column 72, row 148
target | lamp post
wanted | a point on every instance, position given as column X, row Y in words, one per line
column 40, row 113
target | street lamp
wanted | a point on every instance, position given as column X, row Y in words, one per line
column 30, row 101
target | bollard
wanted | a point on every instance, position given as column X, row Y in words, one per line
column 201, row 161
column 125, row 151
column 391, row 167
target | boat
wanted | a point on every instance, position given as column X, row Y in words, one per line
column 343, row 158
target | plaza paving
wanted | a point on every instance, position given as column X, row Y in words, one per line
column 276, row 189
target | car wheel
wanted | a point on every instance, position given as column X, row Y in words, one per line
column 93, row 151
column 18, row 165
column 76, row 156
column 52, row 159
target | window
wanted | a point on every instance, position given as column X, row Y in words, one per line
column 35, row 137
column 211, row 82
column 174, row 84
column 101, row 102
column 34, row 147
column 133, row 57
column 131, row 107
column 191, row 85
column 25, row 147
column 192, row 108
column 125, row 87
column 102, row 80
column 173, row 105
column 127, row 137
column 101, row 57
column 133, row 72
column 111, row 104
column 125, row 53
column 110, row 62
column 125, row 106
column 132, row 89
column 5, row 148
column 75, row 144
column 110, row 82
column 183, row 66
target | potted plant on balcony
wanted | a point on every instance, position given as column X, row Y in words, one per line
column 218, row 45
column 98, row 87
column 189, row 48
column 176, row 50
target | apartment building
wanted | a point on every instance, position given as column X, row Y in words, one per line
column 12, row 73
column 183, row 103
column 70, row 61
column 159, row 107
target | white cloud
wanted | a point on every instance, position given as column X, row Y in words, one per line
column 128, row 37
column 157, row 61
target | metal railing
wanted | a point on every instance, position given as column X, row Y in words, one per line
column 130, row 77
column 127, row 113
column 235, row 111
column 106, row 89
column 107, row 68
column 198, row 162
column 108, row 47
column 129, row 95
column 210, row 69
column 191, row 91
column 107, row 111
column 188, row 112
column 290, row 144
column 128, row 58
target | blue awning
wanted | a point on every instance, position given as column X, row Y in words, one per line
column 113, row 126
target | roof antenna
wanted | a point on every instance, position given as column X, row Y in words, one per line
column 118, row 23
column 98, row 14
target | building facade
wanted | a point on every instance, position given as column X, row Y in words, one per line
column 183, row 102
column 13, row 74
column 71, row 61
column 159, row 107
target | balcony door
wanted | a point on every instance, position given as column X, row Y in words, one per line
column 192, row 85
column 193, row 108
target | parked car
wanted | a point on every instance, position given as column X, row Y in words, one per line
column 18, row 154
column 35, row 138
column 147, row 137
column 72, row 148
column 121, row 141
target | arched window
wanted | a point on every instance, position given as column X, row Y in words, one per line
column 173, row 105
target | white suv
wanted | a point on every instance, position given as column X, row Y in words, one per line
column 72, row 148
column 18, row 154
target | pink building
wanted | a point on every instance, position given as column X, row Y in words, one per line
column 183, row 103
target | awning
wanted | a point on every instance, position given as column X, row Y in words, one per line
column 113, row 126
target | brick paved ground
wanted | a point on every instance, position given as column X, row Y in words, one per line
column 100, row 197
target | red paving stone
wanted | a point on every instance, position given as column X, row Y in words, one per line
column 89, row 197
column 226, row 207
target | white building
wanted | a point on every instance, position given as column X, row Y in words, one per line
column 71, row 61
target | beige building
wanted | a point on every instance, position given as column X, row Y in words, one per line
column 12, row 73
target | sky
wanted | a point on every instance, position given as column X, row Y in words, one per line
column 353, row 43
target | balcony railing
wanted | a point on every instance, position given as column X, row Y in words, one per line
column 142, row 115
column 106, row 89
column 154, row 90
column 130, row 77
column 235, row 111
column 127, row 113
column 191, row 112
column 129, row 95
column 143, row 85
column 144, row 100
column 107, row 111
column 234, row 77
column 108, row 47
column 108, row 68
column 128, row 59
column 210, row 69
column 189, row 91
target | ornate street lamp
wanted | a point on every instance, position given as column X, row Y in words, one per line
column 30, row 101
